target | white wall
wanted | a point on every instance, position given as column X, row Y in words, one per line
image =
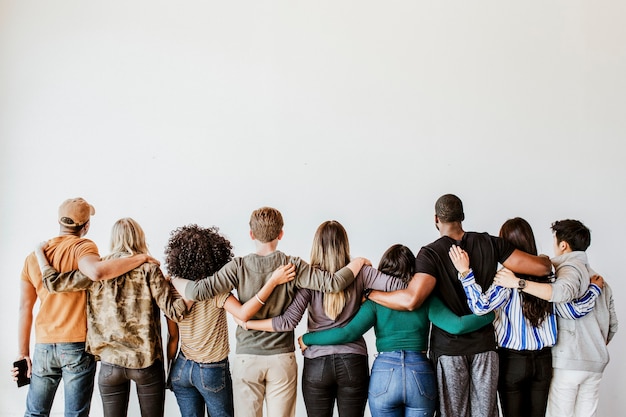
column 359, row 111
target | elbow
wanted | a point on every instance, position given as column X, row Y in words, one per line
column 412, row 305
column 95, row 274
column 96, row 277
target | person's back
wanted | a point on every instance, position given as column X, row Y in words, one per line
column 486, row 252
column 61, row 322
column 580, row 354
column 265, row 368
column 124, row 322
column 468, row 363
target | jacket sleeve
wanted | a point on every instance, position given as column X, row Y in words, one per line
column 579, row 307
column 568, row 284
column 613, row 324
column 55, row 282
column 172, row 306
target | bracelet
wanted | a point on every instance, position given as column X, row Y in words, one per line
column 259, row 300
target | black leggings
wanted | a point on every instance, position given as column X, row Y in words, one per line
column 114, row 384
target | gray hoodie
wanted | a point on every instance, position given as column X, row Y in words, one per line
column 581, row 343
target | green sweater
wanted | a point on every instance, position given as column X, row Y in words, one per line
column 399, row 330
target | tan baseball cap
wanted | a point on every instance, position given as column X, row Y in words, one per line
column 75, row 212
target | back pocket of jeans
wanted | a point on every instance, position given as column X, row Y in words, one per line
column 379, row 381
column 426, row 383
column 213, row 376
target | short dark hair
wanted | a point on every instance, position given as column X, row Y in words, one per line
column 398, row 261
column 576, row 234
column 195, row 252
column 449, row 209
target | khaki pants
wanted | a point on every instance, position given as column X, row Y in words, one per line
column 273, row 378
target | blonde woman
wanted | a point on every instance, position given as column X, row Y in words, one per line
column 338, row 373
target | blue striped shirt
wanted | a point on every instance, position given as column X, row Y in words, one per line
column 513, row 330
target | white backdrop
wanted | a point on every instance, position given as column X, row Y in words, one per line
column 360, row 111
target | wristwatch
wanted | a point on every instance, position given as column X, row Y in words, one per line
column 464, row 274
column 521, row 284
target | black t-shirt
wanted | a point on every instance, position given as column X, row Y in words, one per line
column 485, row 252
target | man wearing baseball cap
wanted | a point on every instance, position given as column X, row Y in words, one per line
column 61, row 322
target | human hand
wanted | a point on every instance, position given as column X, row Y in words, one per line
column 40, row 254
column 150, row 259
column 363, row 260
column 459, row 258
column 283, row 274
column 41, row 246
column 506, row 278
column 303, row 347
column 15, row 370
column 598, row 280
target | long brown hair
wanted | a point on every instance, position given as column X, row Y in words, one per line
column 331, row 252
column 520, row 234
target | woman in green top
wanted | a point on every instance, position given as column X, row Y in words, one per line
column 402, row 381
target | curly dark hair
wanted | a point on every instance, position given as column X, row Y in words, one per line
column 195, row 252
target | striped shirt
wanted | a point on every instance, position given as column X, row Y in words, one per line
column 578, row 308
column 204, row 331
column 513, row 330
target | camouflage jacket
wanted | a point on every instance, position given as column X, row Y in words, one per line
column 123, row 314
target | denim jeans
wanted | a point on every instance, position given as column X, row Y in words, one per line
column 524, row 382
column 402, row 383
column 341, row 377
column 199, row 385
column 52, row 362
column 114, row 384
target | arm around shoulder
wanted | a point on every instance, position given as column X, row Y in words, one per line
column 98, row 270
column 525, row 263
column 410, row 298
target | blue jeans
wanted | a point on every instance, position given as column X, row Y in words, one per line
column 402, row 383
column 52, row 362
column 114, row 384
column 199, row 385
column 341, row 377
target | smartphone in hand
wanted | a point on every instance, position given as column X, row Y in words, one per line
column 22, row 367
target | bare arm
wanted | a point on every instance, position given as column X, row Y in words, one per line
column 506, row 278
column 410, row 298
column 524, row 263
column 281, row 275
column 98, row 270
column 172, row 340
column 28, row 298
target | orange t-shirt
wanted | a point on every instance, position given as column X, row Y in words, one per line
column 62, row 317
